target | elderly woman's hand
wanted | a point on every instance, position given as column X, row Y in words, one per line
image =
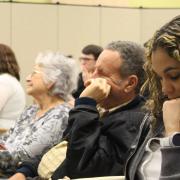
column 171, row 116
column 2, row 147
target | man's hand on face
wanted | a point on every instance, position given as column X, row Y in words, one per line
column 97, row 89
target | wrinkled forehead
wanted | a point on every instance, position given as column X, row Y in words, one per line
column 108, row 57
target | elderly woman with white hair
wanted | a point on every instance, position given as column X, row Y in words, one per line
column 42, row 124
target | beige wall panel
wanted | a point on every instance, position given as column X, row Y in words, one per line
column 78, row 26
column 5, row 21
column 30, row 28
column 120, row 24
column 153, row 19
column 34, row 29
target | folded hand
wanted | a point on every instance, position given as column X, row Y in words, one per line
column 171, row 116
column 98, row 89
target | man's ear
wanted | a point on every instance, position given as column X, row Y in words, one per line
column 132, row 82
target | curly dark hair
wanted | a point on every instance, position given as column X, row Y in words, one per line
column 167, row 38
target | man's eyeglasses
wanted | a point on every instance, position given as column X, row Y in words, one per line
column 85, row 59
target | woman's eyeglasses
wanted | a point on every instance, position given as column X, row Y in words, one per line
column 35, row 72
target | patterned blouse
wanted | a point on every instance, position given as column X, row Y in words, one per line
column 31, row 137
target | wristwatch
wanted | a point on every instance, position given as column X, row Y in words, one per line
column 171, row 141
column 175, row 139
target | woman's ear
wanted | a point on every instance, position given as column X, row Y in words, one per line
column 50, row 85
column 132, row 82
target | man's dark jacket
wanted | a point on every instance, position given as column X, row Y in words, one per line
column 97, row 146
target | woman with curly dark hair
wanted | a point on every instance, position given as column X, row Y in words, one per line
column 155, row 154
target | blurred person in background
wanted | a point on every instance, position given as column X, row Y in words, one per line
column 12, row 101
column 89, row 55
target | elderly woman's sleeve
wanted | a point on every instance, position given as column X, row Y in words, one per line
column 170, row 168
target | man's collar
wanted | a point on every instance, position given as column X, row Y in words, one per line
column 119, row 106
column 102, row 110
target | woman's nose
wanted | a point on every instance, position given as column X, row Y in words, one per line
column 28, row 78
column 167, row 88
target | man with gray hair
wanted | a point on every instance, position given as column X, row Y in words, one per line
column 98, row 144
